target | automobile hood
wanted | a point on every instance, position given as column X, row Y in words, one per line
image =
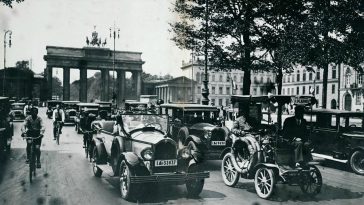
column 152, row 137
column 203, row 126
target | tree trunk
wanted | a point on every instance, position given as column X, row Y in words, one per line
column 279, row 80
column 324, row 85
column 246, row 82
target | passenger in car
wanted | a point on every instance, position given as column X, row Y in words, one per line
column 241, row 126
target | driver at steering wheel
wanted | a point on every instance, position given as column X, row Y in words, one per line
column 241, row 126
column 295, row 134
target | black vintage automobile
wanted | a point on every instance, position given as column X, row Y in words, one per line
column 6, row 127
column 197, row 127
column 17, row 111
column 259, row 154
column 339, row 135
column 132, row 106
column 92, row 108
column 51, row 105
column 140, row 151
column 70, row 110
column 105, row 110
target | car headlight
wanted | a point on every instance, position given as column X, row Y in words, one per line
column 185, row 153
column 147, row 154
column 207, row 134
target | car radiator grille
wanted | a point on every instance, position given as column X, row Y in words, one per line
column 218, row 134
column 165, row 150
column 72, row 113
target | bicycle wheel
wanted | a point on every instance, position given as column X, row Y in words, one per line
column 86, row 148
column 57, row 136
column 31, row 164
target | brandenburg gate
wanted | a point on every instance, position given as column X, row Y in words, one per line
column 93, row 58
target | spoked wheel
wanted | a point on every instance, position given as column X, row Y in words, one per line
column 264, row 182
column 357, row 162
column 127, row 189
column 311, row 181
column 95, row 159
column 229, row 174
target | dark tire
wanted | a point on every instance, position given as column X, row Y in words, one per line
column 87, row 149
column 194, row 186
column 127, row 189
column 95, row 160
column 115, row 160
column 57, row 137
column 264, row 182
column 229, row 174
column 357, row 162
column 311, row 182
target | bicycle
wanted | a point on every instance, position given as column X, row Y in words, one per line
column 32, row 158
column 57, row 133
column 88, row 149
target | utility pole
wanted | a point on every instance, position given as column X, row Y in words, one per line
column 205, row 90
column 113, row 35
column 6, row 32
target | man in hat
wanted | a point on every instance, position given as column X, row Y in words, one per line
column 58, row 117
column 295, row 133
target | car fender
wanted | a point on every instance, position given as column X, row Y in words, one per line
column 135, row 163
column 225, row 151
column 101, row 150
column 252, row 172
column 356, row 149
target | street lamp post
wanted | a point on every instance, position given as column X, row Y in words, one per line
column 6, row 32
column 205, row 90
column 113, row 35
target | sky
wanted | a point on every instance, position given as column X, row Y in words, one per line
column 143, row 28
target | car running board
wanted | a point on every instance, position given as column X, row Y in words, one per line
column 329, row 157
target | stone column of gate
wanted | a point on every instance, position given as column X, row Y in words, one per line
column 49, row 82
column 137, row 78
column 104, row 85
column 83, row 85
column 66, row 83
column 120, row 89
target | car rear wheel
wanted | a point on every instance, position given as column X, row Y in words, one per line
column 264, row 182
column 127, row 189
column 95, row 160
column 194, row 186
column 311, row 182
column 229, row 174
column 115, row 160
column 357, row 162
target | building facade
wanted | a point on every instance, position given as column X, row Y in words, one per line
column 351, row 89
column 307, row 82
column 223, row 84
column 176, row 90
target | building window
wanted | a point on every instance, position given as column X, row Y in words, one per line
column 255, row 80
column 198, row 89
column 298, row 76
column 358, row 98
column 198, row 101
column 220, row 102
column 228, row 91
column 284, row 79
column 268, row 80
column 220, row 90
column 359, row 78
column 261, row 79
column 213, row 90
column 213, row 78
column 333, row 88
column 227, row 101
column 254, row 91
column 213, row 101
column 288, row 79
column 227, row 78
column 297, row 90
column 241, row 91
column 220, row 78
column 317, row 89
column 283, row 91
column 318, row 74
column 304, row 76
column 292, row 78
column 234, row 78
column 303, row 90
column 310, row 76
column 333, row 74
column 262, row 91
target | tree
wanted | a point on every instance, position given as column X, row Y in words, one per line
column 9, row 3
column 328, row 36
column 23, row 65
column 234, row 32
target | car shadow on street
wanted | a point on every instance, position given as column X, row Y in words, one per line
column 286, row 193
column 162, row 193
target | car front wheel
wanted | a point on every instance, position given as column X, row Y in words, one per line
column 95, row 159
column 264, row 182
column 194, row 186
column 127, row 189
column 357, row 162
column 229, row 174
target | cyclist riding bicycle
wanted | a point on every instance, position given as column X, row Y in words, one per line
column 33, row 127
column 85, row 125
column 58, row 116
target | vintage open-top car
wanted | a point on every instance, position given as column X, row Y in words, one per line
column 17, row 111
column 197, row 127
column 140, row 150
column 260, row 153
column 92, row 108
column 6, row 127
column 338, row 135
column 70, row 109
column 51, row 105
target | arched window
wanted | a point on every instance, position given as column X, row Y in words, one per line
column 298, row 75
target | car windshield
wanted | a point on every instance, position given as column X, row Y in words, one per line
column 201, row 116
column 354, row 122
column 17, row 107
column 133, row 122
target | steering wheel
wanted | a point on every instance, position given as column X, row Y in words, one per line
column 159, row 126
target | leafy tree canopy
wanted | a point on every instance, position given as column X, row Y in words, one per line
column 9, row 3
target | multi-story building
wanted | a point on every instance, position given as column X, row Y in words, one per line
column 351, row 89
column 303, row 82
column 223, row 84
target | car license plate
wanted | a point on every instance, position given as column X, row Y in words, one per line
column 166, row 163
column 218, row 143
